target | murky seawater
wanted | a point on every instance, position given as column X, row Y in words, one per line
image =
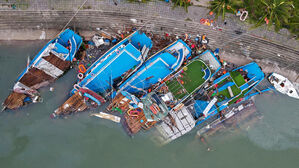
column 29, row 138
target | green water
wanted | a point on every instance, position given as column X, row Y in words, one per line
column 29, row 138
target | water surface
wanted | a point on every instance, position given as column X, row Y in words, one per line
column 29, row 138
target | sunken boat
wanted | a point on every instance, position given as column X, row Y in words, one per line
column 210, row 103
column 154, row 71
column 97, row 83
column 50, row 63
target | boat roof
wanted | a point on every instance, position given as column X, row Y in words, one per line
column 122, row 57
column 137, row 39
column 211, row 60
column 158, row 67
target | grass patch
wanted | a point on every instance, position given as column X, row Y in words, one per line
column 175, row 88
column 193, row 76
column 237, row 77
column 189, row 80
column 225, row 92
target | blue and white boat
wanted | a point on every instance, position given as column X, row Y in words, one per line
column 154, row 106
column 157, row 68
column 106, row 72
column 208, row 104
column 49, row 64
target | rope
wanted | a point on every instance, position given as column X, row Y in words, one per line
column 72, row 17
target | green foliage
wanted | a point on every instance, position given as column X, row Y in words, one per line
column 276, row 11
column 220, row 7
column 181, row 3
column 293, row 25
column 279, row 13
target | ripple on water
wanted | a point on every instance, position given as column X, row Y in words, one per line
column 279, row 128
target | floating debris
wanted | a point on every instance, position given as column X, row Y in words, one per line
column 107, row 116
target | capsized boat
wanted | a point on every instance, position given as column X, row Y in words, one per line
column 157, row 68
column 155, row 106
column 49, row 64
column 283, row 85
column 104, row 74
column 207, row 105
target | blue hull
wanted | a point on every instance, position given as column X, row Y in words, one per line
column 157, row 68
column 67, row 38
column 254, row 73
column 121, row 58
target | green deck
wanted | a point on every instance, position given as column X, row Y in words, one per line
column 238, row 78
column 192, row 78
column 235, row 91
column 234, row 76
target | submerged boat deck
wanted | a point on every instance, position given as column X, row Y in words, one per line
column 75, row 103
column 35, row 76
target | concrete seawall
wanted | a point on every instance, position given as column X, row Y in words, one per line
column 30, row 25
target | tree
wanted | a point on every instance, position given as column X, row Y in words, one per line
column 220, row 7
column 182, row 3
column 277, row 12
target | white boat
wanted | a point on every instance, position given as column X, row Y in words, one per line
column 107, row 116
column 283, row 85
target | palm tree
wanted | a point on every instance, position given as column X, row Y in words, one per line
column 220, row 7
column 182, row 3
column 275, row 12
column 294, row 20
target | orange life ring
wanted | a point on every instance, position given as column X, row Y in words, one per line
column 82, row 68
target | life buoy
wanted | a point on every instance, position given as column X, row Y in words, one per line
column 244, row 16
column 80, row 76
column 92, row 74
column 76, row 87
column 202, row 21
column 117, row 52
column 82, row 68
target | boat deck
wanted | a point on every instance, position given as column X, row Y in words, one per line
column 35, row 76
column 57, row 62
column 190, row 78
column 73, row 104
column 14, row 100
column 136, row 122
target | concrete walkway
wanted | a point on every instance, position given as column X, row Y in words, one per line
column 234, row 37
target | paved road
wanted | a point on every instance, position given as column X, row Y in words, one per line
column 234, row 37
